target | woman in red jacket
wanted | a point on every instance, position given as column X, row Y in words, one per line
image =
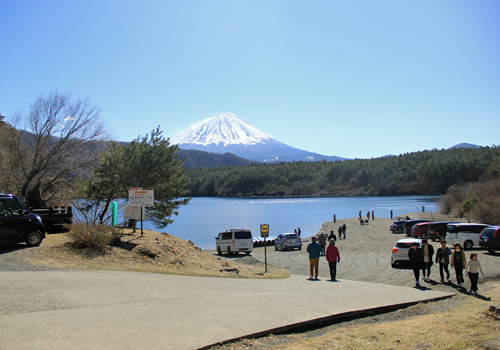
column 333, row 257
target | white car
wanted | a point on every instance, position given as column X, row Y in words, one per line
column 234, row 241
column 400, row 250
column 466, row 234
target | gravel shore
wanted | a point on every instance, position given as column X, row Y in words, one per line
column 366, row 255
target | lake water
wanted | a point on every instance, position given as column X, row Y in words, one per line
column 203, row 218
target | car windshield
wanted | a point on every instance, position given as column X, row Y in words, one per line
column 488, row 232
column 242, row 235
column 404, row 244
column 289, row 236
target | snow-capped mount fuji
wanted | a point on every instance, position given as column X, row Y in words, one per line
column 229, row 133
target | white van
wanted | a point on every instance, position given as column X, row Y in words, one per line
column 465, row 233
column 234, row 241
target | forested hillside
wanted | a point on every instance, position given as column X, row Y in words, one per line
column 420, row 173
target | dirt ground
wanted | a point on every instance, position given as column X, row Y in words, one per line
column 366, row 255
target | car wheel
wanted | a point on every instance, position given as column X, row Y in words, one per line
column 229, row 252
column 219, row 252
column 275, row 247
column 491, row 250
column 468, row 245
column 393, row 265
column 247, row 253
column 300, row 248
column 34, row 239
column 400, row 230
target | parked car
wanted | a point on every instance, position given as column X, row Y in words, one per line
column 397, row 226
column 466, row 234
column 287, row 241
column 17, row 224
column 438, row 230
column 490, row 238
column 409, row 224
column 400, row 250
column 420, row 230
column 234, row 241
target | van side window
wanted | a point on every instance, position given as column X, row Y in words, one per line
column 242, row 235
column 227, row 235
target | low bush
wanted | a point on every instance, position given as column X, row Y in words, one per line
column 95, row 237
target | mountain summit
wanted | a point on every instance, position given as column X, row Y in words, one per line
column 223, row 130
column 229, row 133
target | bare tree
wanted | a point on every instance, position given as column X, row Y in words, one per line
column 55, row 146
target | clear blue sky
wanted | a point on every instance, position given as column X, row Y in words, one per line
column 347, row 78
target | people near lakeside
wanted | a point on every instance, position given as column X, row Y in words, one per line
column 339, row 231
column 322, row 242
column 334, row 218
column 367, row 216
column 343, row 229
column 443, row 254
column 472, row 270
column 416, row 258
column 314, row 251
column 298, row 231
column 333, row 257
column 332, row 236
column 458, row 263
column 391, row 214
column 360, row 214
column 373, row 215
column 407, row 217
column 428, row 251
column 295, row 231
column 423, row 208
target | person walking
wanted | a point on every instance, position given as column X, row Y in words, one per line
column 472, row 270
column 360, row 214
column 314, row 251
column 339, row 231
column 344, row 229
column 458, row 262
column 416, row 258
column 333, row 257
column 443, row 258
column 391, row 214
column 322, row 242
column 428, row 251
column 332, row 236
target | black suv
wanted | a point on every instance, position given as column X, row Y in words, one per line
column 397, row 226
column 17, row 224
column 437, row 230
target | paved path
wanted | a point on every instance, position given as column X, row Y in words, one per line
column 129, row 310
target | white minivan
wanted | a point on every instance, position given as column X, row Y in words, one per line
column 466, row 234
column 234, row 241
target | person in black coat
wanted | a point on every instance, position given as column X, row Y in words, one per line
column 416, row 257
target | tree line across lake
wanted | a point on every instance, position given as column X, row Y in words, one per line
column 420, row 173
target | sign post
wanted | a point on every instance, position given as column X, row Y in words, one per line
column 264, row 232
column 142, row 198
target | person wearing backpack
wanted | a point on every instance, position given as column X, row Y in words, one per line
column 458, row 263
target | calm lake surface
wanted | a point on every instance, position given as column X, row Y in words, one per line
column 203, row 218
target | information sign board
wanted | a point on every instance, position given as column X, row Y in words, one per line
column 144, row 198
column 133, row 212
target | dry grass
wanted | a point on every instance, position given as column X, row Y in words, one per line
column 171, row 256
column 466, row 326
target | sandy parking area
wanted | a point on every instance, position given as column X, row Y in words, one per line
column 366, row 255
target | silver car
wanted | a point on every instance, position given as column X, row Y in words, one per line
column 400, row 250
column 288, row 241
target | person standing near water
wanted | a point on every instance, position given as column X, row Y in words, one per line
column 322, row 242
column 334, row 218
column 333, row 257
column 343, row 229
column 373, row 215
column 339, row 231
column 391, row 214
column 314, row 251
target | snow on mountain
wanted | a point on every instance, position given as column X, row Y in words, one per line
column 229, row 133
column 222, row 130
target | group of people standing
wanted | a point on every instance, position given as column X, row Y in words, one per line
column 421, row 259
column 316, row 250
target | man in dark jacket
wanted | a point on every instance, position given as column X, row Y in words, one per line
column 416, row 258
column 443, row 258
column 428, row 251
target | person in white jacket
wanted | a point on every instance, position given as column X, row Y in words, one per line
column 472, row 270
